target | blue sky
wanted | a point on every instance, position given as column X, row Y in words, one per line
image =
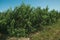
column 52, row 4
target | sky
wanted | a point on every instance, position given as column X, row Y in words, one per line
column 52, row 4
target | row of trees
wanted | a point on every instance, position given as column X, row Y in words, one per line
column 24, row 20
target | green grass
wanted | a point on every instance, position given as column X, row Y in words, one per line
column 49, row 33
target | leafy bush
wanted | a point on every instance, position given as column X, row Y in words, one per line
column 24, row 20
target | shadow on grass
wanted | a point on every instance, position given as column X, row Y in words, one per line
column 3, row 36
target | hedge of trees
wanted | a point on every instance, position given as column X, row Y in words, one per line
column 25, row 19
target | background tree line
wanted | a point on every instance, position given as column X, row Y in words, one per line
column 25, row 19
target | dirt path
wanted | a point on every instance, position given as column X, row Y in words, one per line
column 14, row 38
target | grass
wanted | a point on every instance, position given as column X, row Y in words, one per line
column 49, row 33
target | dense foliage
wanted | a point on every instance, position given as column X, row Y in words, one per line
column 24, row 20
